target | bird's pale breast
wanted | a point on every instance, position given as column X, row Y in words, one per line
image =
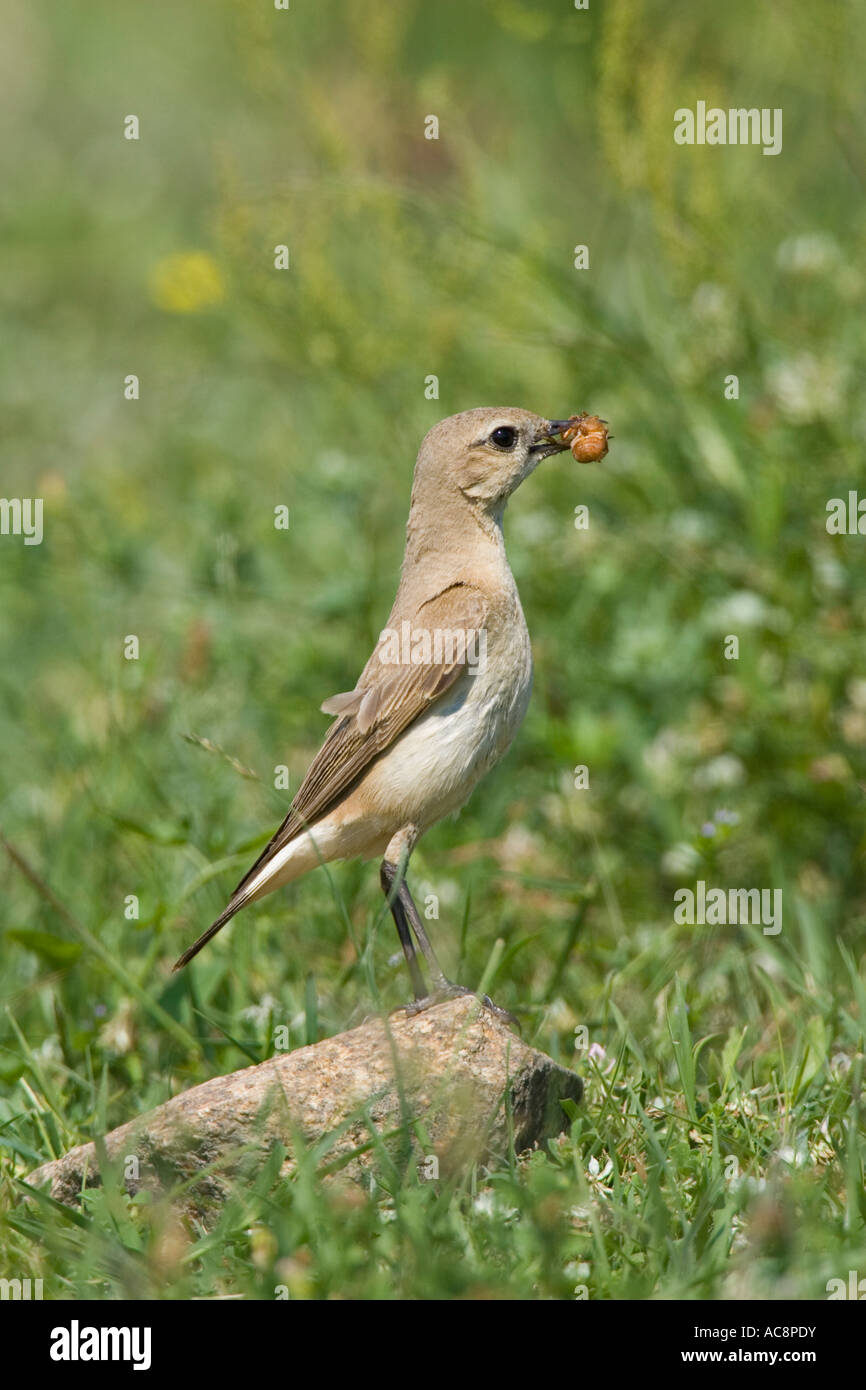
column 432, row 768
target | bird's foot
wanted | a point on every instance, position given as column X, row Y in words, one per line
column 444, row 990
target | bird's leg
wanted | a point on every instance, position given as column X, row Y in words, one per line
column 443, row 988
column 437, row 974
column 392, row 876
column 406, row 915
column 387, row 874
column 408, row 920
column 394, row 867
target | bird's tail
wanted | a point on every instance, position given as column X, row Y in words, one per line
column 277, row 864
column 237, row 902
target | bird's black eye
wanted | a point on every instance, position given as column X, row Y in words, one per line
column 504, row 436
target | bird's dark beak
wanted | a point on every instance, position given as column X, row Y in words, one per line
column 546, row 441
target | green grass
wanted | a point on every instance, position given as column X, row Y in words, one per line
column 719, row 1150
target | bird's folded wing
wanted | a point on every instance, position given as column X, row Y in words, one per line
column 388, row 697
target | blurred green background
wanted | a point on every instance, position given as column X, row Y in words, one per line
column 306, row 387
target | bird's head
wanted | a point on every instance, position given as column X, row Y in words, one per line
column 485, row 454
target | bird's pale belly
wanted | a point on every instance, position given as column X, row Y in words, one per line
column 433, row 767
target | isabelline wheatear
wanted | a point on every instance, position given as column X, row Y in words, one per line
column 444, row 691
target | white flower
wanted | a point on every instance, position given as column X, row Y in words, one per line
column 668, row 748
column 811, row 253
column 49, row 1050
column 595, row 1170
column 806, row 387
column 840, row 1064
column 604, row 1063
column 259, row 1014
column 487, row 1204
column 679, row 860
column 596, row 1174
column 794, row 1157
column 726, row 770
column 711, row 302
column 744, row 608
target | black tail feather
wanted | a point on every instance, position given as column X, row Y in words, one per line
column 205, row 937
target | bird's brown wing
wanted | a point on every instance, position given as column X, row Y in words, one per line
column 386, row 700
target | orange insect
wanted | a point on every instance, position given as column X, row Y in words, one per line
column 587, row 437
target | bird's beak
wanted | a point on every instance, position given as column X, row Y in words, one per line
column 546, row 441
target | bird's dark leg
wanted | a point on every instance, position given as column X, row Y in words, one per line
column 437, row 974
column 387, row 875
column 406, row 915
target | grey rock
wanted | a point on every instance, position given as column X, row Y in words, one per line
column 451, row 1084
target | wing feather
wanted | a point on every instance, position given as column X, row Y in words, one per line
column 386, row 700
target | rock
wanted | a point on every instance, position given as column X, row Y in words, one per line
column 443, row 1073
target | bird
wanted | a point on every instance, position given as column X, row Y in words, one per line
column 442, row 695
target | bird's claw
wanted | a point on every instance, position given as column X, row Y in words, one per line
column 445, row 990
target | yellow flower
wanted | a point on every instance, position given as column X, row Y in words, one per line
column 186, row 283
